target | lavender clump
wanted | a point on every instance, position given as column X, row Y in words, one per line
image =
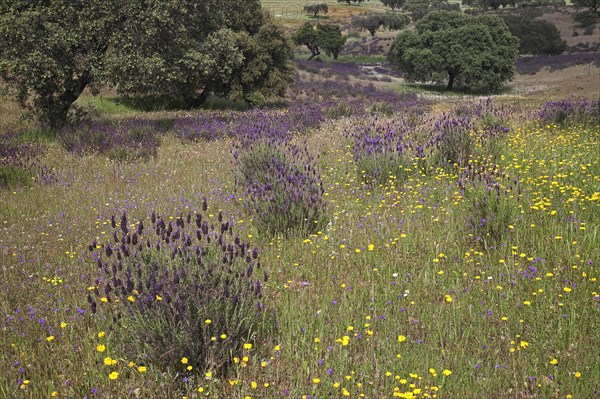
column 280, row 180
column 21, row 166
column 570, row 111
column 128, row 140
column 382, row 153
column 172, row 285
column 211, row 126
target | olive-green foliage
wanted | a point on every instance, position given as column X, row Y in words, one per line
column 372, row 22
column 393, row 4
column 267, row 70
column 183, row 49
column 51, row 51
column 474, row 52
column 592, row 5
column 350, row 1
column 325, row 36
column 331, row 39
column 487, row 4
column 536, row 36
column 316, row 8
column 12, row 176
column 419, row 8
column 587, row 18
column 199, row 48
column 307, row 36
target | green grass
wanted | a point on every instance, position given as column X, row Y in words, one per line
column 115, row 105
column 109, row 105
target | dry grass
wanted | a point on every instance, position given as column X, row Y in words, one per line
column 579, row 80
column 563, row 20
column 10, row 116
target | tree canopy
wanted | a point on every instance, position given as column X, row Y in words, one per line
column 316, row 8
column 325, row 36
column 372, row 22
column 419, row 8
column 474, row 52
column 393, row 4
column 51, row 51
column 487, row 4
column 592, row 5
column 536, row 36
column 351, row 1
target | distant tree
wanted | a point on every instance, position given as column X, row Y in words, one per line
column 442, row 5
column 330, row 39
column 489, row 4
column 316, row 9
column 326, row 36
column 308, row 36
column 372, row 22
column 393, row 4
column 450, row 46
column 190, row 49
column 394, row 21
column 267, row 71
column 419, row 8
column 536, row 37
column 593, row 5
column 369, row 22
column 351, row 1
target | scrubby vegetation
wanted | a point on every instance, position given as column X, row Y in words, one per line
column 361, row 237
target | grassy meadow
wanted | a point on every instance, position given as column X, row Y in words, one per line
column 451, row 246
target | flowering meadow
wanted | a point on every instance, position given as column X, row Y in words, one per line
column 355, row 242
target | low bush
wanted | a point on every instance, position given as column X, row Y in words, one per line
column 283, row 188
column 570, row 111
column 587, row 19
column 179, row 288
column 130, row 140
column 381, row 154
column 491, row 207
column 20, row 165
column 454, row 142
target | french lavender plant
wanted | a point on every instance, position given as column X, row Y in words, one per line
column 128, row 140
column 382, row 153
column 570, row 111
column 179, row 287
column 280, row 182
column 470, row 130
column 20, row 164
column 455, row 145
column 493, row 203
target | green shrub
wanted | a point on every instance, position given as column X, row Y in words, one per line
column 536, row 37
column 587, row 19
column 339, row 110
